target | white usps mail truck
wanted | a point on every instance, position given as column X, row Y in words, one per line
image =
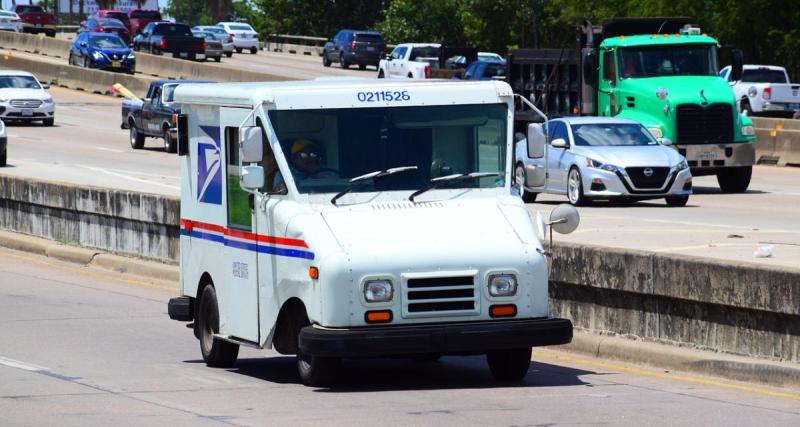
column 358, row 218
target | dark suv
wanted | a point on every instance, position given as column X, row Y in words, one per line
column 354, row 47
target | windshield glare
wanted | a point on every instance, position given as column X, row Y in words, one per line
column 675, row 60
column 326, row 148
column 609, row 135
column 18, row 82
column 107, row 42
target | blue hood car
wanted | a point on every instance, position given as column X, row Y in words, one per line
column 102, row 51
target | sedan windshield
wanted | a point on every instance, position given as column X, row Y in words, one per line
column 611, row 134
column 107, row 42
column 675, row 60
column 18, row 82
column 327, row 148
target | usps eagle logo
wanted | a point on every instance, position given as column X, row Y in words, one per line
column 209, row 167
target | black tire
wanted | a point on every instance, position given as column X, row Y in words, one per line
column 216, row 353
column 70, row 59
column 49, row 122
column 170, row 145
column 326, row 62
column 3, row 158
column 317, row 371
column 746, row 108
column 238, row 50
column 229, row 54
column 677, row 201
column 519, row 179
column 86, row 62
column 362, row 67
column 343, row 63
column 509, row 365
column 735, row 179
column 218, row 59
column 380, row 74
column 253, row 50
column 50, row 33
column 410, row 76
column 575, row 195
column 136, row 138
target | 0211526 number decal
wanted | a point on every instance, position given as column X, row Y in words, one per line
column 384, row 96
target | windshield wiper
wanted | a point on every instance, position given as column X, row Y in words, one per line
column 436, row 182
column 371, row 177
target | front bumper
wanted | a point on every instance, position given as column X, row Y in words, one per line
column 452, row 338
column 110, row 65
column 9, row 112
column 706, row 159
column 602, row 184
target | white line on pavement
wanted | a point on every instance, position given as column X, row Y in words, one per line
column 108, row 149
column 132, row 178
column 21, row 365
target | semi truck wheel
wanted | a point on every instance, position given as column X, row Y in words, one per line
column 735, row 179
column 216, row 353
column 519, row 176
column 509, row 365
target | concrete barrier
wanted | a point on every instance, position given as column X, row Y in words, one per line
column 778, row 141
column 735, row 308
column 35, row 43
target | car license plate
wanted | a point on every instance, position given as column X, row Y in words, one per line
column 39, row 25
column 116, row 64
column 794, row 107
column 708, row 155
column 183, row 54
column 370, row 49
column 27, row 112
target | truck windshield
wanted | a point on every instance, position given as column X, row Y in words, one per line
column 326, row 148
column 673, row 60
column 611, row 134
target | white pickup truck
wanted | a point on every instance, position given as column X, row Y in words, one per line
column 765, row 89
column 410, row 60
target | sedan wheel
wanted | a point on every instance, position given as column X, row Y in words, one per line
column 519, row 180
column 575, row 188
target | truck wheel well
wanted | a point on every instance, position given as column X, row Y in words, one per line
column 131, row 122
column 291, row 319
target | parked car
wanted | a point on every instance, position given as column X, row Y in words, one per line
column 139, row 18
column 102, row 51
column 36, row 20
column 106, row 25
column 244, row 36
column 119, row 15
column 461, row 61
column 765, row 89
column 24, row 98
column 10, row 21
column 213, row 46
column 3, row 144
column 221, row 35
column 160, row 38
column 410, row 60
column 349, row 47
column 589, row 158
column 483, row 70
column 154, row 116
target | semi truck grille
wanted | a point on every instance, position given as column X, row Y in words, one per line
column 648, row 177
column 436, row 296
column 704, row 125
column 26, row 103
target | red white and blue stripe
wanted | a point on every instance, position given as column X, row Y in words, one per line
column 263, row 244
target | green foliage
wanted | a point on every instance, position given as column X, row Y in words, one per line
column 322, row 18
column 440, row 21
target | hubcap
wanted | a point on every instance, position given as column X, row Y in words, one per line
column 520, row 180
column 574, row 186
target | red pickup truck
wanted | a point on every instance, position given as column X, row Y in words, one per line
column 36, row 20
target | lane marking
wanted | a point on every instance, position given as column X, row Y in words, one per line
column 21, row 365
column 698, row 224
column 129, row 177
column 113, row 150
column 668, row 376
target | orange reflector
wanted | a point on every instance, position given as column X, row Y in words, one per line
column 622, row 37
column 773, row 134
column 666, row 36
column 313, row 272
column 779, row 126
column 379, row 316
column 508, row 310
column 174, row 118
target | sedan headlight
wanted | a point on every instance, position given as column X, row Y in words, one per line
column 683, row 164
column 96, row 54
column 656, row 132
column 502, row 285
column 600, row 165
column 379, row 290
column 48, row 100
column 748, row 130
column 131, row 56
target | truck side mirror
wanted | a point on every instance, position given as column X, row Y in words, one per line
column 564, row 219
column 252, row 145
column 737, row 64
column 252, row 177
column 590, row 67
column 536, row 141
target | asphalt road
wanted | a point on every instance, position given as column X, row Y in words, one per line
column 85, row 347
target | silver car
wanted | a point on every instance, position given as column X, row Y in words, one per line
column 221, row 35
column 589, row 158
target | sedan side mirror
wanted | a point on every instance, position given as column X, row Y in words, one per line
column 665, row 141
column 559, row 143
column 83, row 44
column 45, row 86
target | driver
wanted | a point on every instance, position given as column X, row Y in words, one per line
column 305, row 162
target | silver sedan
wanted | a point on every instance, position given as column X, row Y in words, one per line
column 589, row 158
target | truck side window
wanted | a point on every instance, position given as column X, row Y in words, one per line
column 609, row 72
column 273, row 182
column 239, row 213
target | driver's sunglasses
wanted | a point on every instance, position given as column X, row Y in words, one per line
column 309, row 155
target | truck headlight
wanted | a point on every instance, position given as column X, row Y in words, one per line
column 379, row 290
column 748, row 130
column 683, row 164
column 600, row 165
column 502, row 285
column 656, row 132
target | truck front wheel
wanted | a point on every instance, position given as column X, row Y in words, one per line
column 317, row 371
column 509, row 365
column 734, row 179
column 216, row 353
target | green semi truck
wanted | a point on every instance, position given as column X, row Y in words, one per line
column 662, row 72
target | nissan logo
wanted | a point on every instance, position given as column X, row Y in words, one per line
column 648, row 172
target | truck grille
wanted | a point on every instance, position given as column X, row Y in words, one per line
column 26, row 103
column 640, row 179
column 704, row 125
column 437, row 296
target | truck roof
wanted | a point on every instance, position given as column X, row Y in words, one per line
column 656, row 39
column 345, row 93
